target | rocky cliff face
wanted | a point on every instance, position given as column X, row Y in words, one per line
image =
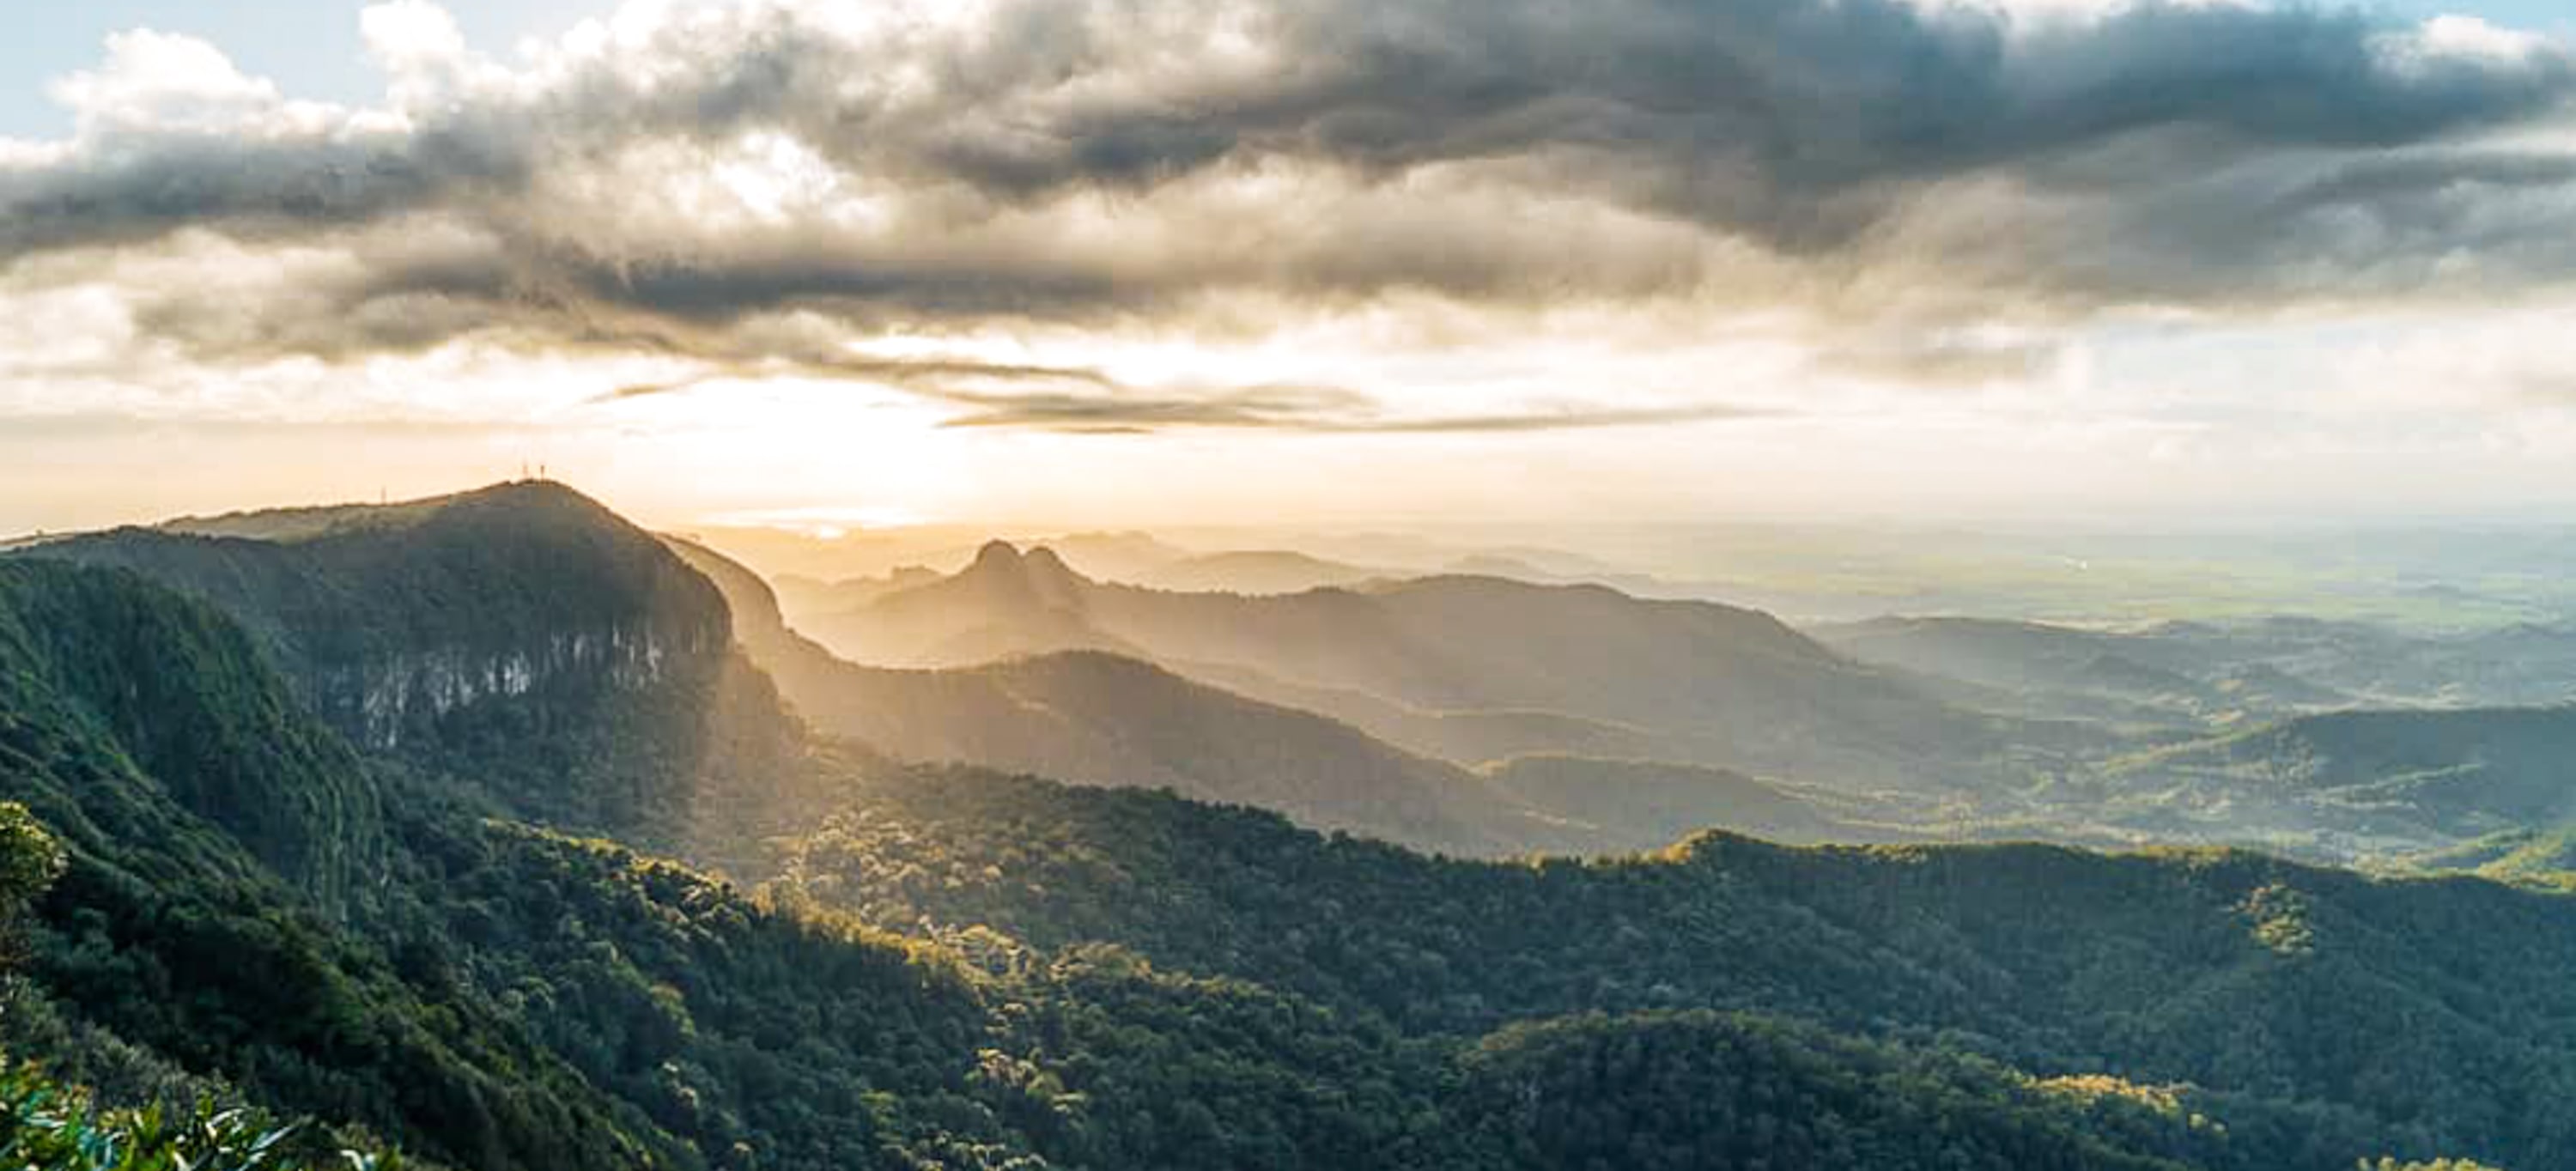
column 521, row 640
column 390, row 702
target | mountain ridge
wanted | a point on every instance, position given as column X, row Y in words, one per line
column 1715, row 685
column 1100, row 717
column 521, row 639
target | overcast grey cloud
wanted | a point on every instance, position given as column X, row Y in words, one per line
column 1074, row 161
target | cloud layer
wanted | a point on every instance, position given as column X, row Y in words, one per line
column 771, row 185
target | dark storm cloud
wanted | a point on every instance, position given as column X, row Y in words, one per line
column 2163, row 152
column 147, row 189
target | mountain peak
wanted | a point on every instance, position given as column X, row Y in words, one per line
column 528, row 489
column 997, row 554
column 521, row 498
column 1043, row 561
column 1038, row 565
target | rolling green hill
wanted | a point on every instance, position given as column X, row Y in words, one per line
column 2532, row 857
column 1630, row 806
column 2411, row 776
column 1463, row 737
column 1096, row 718
column 2344, row 1012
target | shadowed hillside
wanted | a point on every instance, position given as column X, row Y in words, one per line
column 174, row 947
column 521, row 639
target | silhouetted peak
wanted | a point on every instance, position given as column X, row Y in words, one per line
column 1004, row 574
column 1001, row 560
column 1043, row 562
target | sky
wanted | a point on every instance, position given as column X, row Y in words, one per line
column 1129, row 262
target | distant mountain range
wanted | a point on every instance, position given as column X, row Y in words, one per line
column 1268, row 571
column 2197, row 671
column 1096, row 717
column 2164, row 733
column 1689, row 681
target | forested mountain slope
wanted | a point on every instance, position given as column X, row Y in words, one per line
column 1630, row 806
column 1101, row 719
column 168, row 933
column 1095, row 718
column 2411, row 775
column 503, row 998
column 521, row 640
column 2420, row 1014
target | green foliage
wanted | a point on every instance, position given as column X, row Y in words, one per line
column 758, row 1035
column 168, row 933
column 2325, row 1014
column 30, row 861
column 2541, row 858
column 2415, row 775
column 45, row 1126
column 93, row 659
column 1674, row 1091
column 30, row 858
